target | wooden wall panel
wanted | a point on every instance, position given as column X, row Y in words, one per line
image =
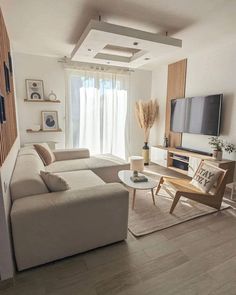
column 8, row 129
column 175, row 89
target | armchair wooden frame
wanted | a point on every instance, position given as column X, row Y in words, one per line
column 183, row 188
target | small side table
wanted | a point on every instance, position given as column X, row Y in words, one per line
column 125, row 175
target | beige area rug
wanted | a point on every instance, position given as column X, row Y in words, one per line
column 147, row 218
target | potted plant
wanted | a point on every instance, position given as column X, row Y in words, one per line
column 218, row 145
column 146, row 113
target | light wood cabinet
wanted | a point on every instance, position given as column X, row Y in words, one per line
column 166, row 157
column 159, row 156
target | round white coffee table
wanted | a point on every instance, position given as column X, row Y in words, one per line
column 125, row 175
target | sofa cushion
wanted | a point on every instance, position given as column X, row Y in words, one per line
column 29, row 150
column 26, row 180
column 81, row 179
column 54, row 183
column 45, row 153
column 87, row 163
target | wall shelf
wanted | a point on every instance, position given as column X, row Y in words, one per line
column 32, row 131
column 44, row 100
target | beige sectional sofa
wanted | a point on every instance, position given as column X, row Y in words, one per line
column 48, row 226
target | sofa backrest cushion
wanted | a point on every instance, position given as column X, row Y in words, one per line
column 26, row 179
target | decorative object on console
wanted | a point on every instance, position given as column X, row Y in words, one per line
column 52, row 96
column 166, row 141
column 146, row 113
column 50, row 120
column 34, row 89
column 218, row 144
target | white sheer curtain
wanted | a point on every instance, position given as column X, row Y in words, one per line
column 96, row 111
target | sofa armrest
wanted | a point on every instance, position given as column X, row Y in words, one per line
column 71, row 154
column 51, row 226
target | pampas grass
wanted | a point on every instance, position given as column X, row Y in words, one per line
column 146, row 113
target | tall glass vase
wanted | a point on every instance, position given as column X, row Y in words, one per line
column 145, row 153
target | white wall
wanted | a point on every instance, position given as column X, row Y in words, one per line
column 140, row 89
column 208, row 72
column 52, row 73
column 159, row 92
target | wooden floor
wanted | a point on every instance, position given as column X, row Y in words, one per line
column 196, row 257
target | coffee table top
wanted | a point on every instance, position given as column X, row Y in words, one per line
column 125, row 175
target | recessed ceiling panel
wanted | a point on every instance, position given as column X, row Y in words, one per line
column 121, row 46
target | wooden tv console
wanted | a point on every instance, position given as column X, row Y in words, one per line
column 166, row 157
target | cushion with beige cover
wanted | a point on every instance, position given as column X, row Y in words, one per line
column 54, row 183
column 45, row 153
column 205, row 177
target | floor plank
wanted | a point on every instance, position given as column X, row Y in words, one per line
column 195, row 257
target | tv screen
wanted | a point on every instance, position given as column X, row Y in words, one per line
column 199, row 115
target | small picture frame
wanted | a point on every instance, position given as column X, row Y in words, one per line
column 50, row 121
column 34, row 90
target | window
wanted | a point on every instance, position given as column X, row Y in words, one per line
column 97, row 111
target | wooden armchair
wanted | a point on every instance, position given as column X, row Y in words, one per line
column 183, row 188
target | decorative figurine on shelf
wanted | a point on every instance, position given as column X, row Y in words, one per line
column 52, row 96
column 165, row 142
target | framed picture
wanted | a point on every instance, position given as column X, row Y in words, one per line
column 50, row 120
column 7, row 78
column 34, row 89
column 2, row 110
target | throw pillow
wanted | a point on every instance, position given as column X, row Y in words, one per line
column 45, row 153
column 54, row 183
column 205, row 178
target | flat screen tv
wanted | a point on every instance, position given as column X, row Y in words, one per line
column 198, row 115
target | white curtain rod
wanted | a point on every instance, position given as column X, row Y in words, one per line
column 68, row 64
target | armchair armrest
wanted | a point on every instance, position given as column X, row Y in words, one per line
column 71, row 154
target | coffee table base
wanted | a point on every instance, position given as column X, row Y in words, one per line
column 134, row 197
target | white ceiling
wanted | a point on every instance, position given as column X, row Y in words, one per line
column 53, row 27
